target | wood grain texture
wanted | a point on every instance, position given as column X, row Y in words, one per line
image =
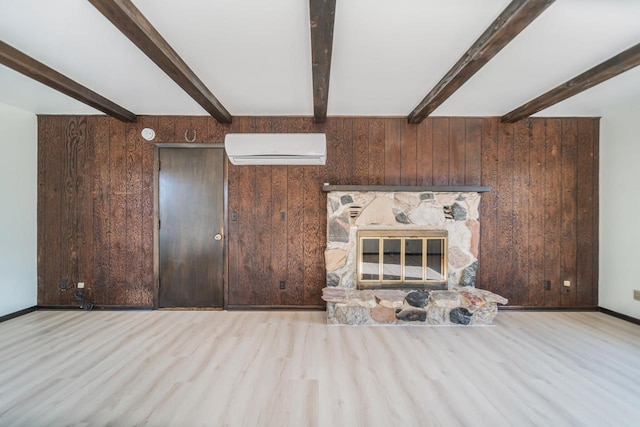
column 291, row 369
column 569, row 211
column 521, row 169
column 587, row 181
column 321, row 19
column 533, row 168
column 41, row 214
column 408, row 155
column 393, row 136
column 424, row 153
column 441, row 151
column 536, row 212
column 553, row 211
column 487, row 263
column 377, row 158
column 505, row 245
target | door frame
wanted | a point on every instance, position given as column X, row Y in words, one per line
column 156, row 203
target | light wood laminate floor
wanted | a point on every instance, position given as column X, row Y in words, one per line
column 193, row 368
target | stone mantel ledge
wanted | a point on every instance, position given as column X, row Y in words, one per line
column 462, row 306
column 408, row 188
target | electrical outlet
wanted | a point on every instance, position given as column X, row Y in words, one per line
column 63, row 284
column 567, row 283
column 547, row 285
column 80, row 285
column 234, row 216
column 282, row 284
column 636, row 294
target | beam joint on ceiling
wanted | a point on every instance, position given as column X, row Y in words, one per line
column 322, row 17
column 133, row 24
column 612, row 67
column 24, row 64
column 513, row 19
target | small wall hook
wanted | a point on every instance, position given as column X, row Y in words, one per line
column 186, row 135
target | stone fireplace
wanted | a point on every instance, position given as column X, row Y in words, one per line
column 404, row 254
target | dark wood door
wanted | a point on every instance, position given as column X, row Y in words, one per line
column 190, row 239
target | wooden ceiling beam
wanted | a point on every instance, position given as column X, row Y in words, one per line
column 322, row 16
column 515, row 18
column 24, row 64
column 133, row 24
column 618, row 64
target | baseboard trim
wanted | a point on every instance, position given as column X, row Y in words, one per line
column 18, row 313
column 619, row 315
column 543, row 308
column 97, row 307
column 277, row 307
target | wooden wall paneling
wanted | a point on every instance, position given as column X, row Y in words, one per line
column 473, row 152
column 118, row 213
column 553, row 211
column 393, row 133
column 74, row 144
column 102, row 215
column 315, row 207
column 489, row 206
column 521, row 168
column 408, row 154
column 244, row 291
column 568, row 244
column 344, row 138
column 585, row 279
column 457, row 152
column 148, row 220
column 440, row 151
column 41, row 214
column 424, row 152
column 54, row 178
column 100, row 131
column 295, row 222
column 279, row 229
column 263, row 280
column 313, row 234
column 334, row 151
column 133, row 223
column 504, row 227
column 197, row 129
column 361, row 151
column 596, row 212
column 216, row 131
column 166, row 130
column 233, row 208
column 184, row 130
column 85, row 207
column 377, row 159
column 536, row 212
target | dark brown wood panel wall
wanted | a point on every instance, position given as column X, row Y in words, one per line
column 539, row 222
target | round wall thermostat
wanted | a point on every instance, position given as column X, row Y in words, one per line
column 148, row 134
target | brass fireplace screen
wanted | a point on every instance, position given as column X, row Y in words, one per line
column 402, row 259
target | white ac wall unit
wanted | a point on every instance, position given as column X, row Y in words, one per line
column 276, row 148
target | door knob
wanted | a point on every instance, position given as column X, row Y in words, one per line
column 218, row 236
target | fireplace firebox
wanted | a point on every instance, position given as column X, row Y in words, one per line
column 399, row 259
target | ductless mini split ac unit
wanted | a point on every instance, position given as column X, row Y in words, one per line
column 276, row 148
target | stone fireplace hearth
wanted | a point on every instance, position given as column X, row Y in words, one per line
column 405, row 211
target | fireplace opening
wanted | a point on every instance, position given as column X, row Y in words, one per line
column 400, row 259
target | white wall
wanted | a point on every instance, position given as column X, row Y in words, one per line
column 619, row 248
column 18, row 193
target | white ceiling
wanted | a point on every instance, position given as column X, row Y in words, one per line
column 255, row 55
